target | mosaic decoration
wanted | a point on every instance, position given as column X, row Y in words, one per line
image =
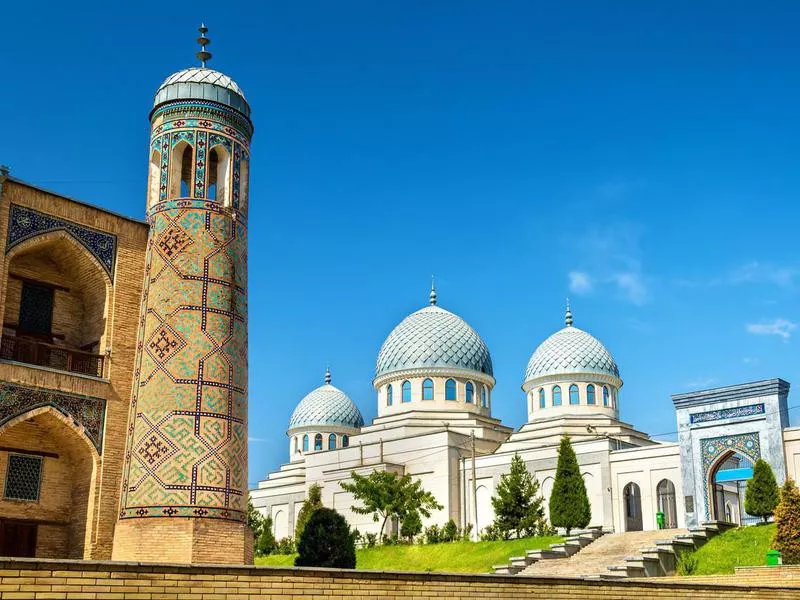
column 25, row 223
column 186, row 451
column 746, row 444
column 86, row 411
column 727, row 413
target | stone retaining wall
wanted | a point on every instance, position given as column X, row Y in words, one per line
column 54, row 579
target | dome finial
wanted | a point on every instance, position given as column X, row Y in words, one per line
column 433, row 291
column 327, row 375
column 568, row 315
column 204, row 54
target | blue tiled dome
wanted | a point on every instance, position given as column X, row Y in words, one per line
column 571, row 351
column 433, row 337
column 325, row 406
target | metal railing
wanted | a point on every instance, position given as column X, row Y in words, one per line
column 43, row 354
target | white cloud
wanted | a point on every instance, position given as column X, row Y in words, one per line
column 779, row 327
column 631, row 286
column 257, row 440
column 579, row 282
column 757, row 272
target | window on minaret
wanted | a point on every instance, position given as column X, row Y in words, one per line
column 470, row 392
column 556, row 395
column 406, row 391
column 450, row 389
column 574, row 398
column 186, row 172
column 332, row 441
column 590, row 394
column 541, row 398
column 318, row 442
column 389, row 395
column 213, row 166
column 427, row 389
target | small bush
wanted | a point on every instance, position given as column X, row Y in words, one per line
column 490, row 533
column 285, row 546
column 326, row 541
column 411, row 527
column 687, row 563
column 466, row 535
column 371, row 539
column 449, row 531
column 433, row 535
column 265, row 544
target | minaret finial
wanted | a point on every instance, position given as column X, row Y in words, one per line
column 327, row 375
column 568, row 316
column 433, row 291
column 204, row 54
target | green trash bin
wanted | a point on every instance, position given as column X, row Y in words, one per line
column 660, row 520
column 774, row 558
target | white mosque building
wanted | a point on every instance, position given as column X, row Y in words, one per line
column 434, row 382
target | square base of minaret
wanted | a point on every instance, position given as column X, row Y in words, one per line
column 183, row 540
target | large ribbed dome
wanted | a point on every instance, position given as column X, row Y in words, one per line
column 571, row 351
column 433, row 337
column 326, row 406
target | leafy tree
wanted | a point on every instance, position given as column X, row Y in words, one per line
column 569, row 504
column 326, row 541
column 517, row 503
column 310, row 504
column 266, row 544
column 255, row 520
column 449, row 531
column 384, row 495
column 761, row 496
column 787, row 519
column 412, row 526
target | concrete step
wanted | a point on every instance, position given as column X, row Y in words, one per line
column 521, row 561
column 651, row 565
column 545, row 554
column 696, row 539
column 676, row 544
column 568, row 548
column 505, row 570
column 578, row 539
column 719, row 526
column 627, row 570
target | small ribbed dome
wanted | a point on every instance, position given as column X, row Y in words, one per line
column 326, row 405
column 202, row 83
column 571, row 351
column 433, row 337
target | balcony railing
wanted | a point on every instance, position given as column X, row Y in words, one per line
column 43, row 354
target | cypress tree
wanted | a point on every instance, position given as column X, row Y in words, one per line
column 569, row 504
column 311, row 504
column 517, row 505
column 761, row 496
column 787, row 519
column 326, row 541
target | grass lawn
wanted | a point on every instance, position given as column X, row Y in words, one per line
column 455, row 557
column 741, row 547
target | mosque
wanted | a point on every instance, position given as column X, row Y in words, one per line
column 433, row 383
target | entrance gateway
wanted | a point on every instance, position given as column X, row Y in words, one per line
column 721, row 433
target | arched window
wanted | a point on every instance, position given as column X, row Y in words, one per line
column 574, row 398
column 243, row 184
column 406, row 391
column 541, row 398
column 556, row 395
column 154, row 187
column 590, row 394
column 186, row 172
column 213, row 165
column 665, row 493
column 389, row 395
column 332, row 441
column 605, row 395
column 470, row 392
column 305, row 443
column 218, row 174
column 484, row 397
column 345, row 441
column 427, row 389
column 613, row 398
column 318, row 442
column 296, row 447
column 450, row 389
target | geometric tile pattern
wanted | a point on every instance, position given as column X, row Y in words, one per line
column 433, row 337
column 25, row 223
column 326, row 405
column 571, row 351
column 86, row 411
column 186, row 452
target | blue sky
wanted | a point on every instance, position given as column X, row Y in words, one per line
column 641, row 158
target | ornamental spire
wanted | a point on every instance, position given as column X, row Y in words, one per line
column 204, row 54
column 433, row 291
column 327, row 375
column 568, row 315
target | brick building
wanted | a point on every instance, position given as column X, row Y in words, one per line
column 123, row 356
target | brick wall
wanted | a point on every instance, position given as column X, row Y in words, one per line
column 779, row 576
column 115, row 311
column 42, row 579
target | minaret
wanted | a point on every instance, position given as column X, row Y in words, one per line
column 184, row 488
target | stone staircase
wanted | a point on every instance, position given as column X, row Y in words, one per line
column 630, row 554
column 571, row 545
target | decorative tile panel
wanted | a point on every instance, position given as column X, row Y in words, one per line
column 25, row 223
column 747, row 444
column 727, row 413
column 88, row 412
